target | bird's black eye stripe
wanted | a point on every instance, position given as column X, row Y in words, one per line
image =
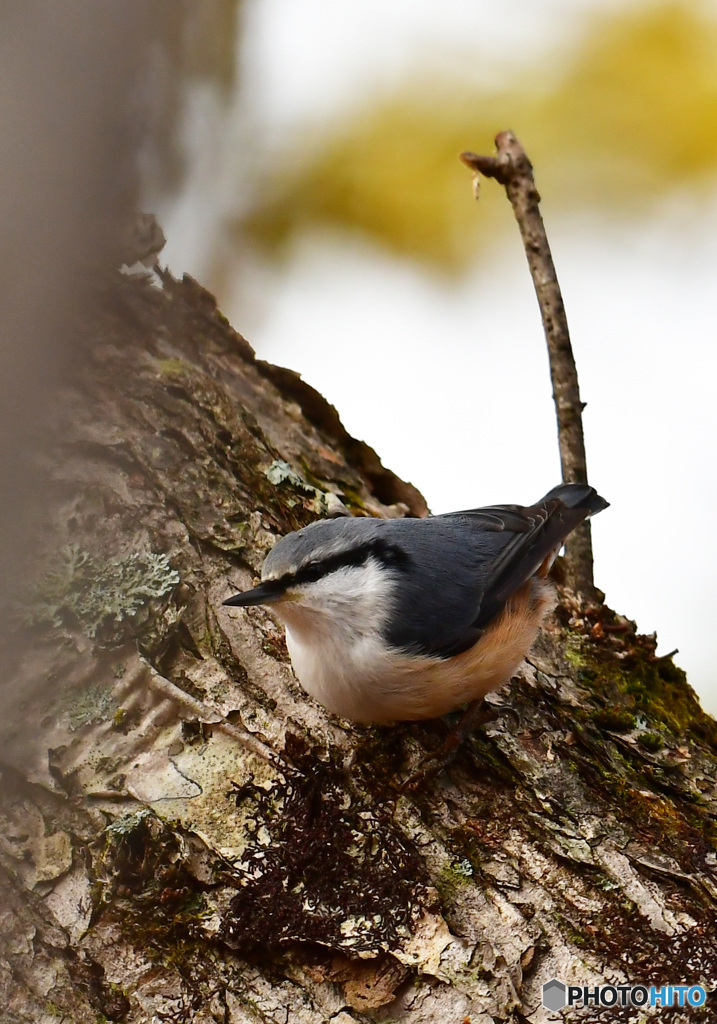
column 388, row 554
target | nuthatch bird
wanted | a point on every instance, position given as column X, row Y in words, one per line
column 401, row 619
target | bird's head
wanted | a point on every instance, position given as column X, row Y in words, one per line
column 324, row 568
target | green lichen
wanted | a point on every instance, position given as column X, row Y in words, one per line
column 280, row 472
column 141, row 866
column 97, row 594
column 629, row 689
column 174, row 367
column 452, row 878
column 641, row 685
column 94, row 704
column 128, row 823
column 651, row 741
column 614, row 719
column 572, row 650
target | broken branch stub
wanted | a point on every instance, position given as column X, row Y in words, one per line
column 511, row 168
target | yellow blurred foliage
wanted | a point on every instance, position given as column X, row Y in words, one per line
column 629, row 116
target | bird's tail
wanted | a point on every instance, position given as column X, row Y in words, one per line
column 581, row 497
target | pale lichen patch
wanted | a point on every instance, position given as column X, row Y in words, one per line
column 97, row 594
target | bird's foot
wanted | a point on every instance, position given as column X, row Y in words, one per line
column 476, row 714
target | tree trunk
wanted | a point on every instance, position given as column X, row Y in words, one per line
column 156, row 866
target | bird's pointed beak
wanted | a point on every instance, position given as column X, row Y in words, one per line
column 266, row 593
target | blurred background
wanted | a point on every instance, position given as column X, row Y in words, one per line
column 319, row 195
column 302, row 159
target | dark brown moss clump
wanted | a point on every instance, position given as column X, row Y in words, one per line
column 323, row 867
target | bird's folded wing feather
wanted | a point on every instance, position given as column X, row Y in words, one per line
column 535, row 532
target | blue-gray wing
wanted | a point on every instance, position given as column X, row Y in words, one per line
column 464, row 566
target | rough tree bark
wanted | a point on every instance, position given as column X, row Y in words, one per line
column 155, row 868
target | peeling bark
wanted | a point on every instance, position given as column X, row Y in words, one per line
column 156, row 866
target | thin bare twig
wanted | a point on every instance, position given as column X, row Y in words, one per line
column 512, row 169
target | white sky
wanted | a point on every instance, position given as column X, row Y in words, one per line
column 450, row 383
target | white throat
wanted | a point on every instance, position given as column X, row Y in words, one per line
column 334, row 634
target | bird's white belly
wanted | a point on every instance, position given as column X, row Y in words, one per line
column 345, row 679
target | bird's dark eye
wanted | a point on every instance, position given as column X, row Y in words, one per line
column 317, row 568
column 311, row 571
